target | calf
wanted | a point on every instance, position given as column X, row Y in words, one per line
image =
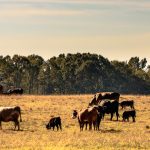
column 10, row 114
column 55, row 121
column 127, row 114
column 130, row 103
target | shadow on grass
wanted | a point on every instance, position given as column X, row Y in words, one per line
column 15, row 131
column 110, row 131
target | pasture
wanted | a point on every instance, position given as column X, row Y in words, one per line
column 37, row 110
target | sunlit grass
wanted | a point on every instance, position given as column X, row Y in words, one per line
column 37, row 110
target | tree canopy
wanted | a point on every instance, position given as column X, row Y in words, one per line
column 74, row 74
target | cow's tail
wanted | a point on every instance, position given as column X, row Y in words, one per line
column 20, row 116
column 19, row 110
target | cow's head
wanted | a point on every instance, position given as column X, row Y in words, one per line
column 74, row 114
column 48, row 126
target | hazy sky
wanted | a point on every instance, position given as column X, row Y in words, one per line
column 117, row 29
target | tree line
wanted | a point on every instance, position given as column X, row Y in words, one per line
column 74, row 74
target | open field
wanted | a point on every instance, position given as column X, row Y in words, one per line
column 37, row 110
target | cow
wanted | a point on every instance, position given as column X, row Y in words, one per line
column 130, row 103
column 100, row 116
column 111, row 107
column 15, row 91
column 104, row 96
column 87, row 116
column 54, row 121
column 10, row 114
column 93, row 101
column 110, row 96
column 127, row 114
column 1, row 89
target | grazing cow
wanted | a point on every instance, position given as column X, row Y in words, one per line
column 93, row 101
column 130, row 103
column 86, row 116
column 55, row 121
column 10, row 114
column 111, row 107
column 15, row 91
column 127, row 114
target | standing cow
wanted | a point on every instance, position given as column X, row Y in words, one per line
column 104, row 96
column 10, row 114
column 124, row 104
column 128, row 114
column 87, row 116
column 111, row 107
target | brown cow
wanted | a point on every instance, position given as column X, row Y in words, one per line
column 10, row 114
column 88, row 115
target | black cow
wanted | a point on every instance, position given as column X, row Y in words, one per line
column 110, row 96
column 1, row 89
column 130, row 103
column 15, row 91
column 55, row 121
column 127, row 114
column 104, row 96
column 99, row 116
column 111, row 107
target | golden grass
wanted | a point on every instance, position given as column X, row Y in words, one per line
column 37, row 110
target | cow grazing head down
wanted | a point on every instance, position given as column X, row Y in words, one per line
column 10, row 114
column 74, row 114
column 54, row 122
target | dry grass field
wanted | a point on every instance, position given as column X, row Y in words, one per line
column 37, row 110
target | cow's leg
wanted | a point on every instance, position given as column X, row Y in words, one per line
column 90, row 125
column 103, row 116
column 86, row 125
column 133, row 119
column 57, row 127
column 111, row 116
column 0, row 125
column 17, row 124
column 60, row 127
column 80, row 124
column 95, row 125
column 128, row 119
column 117, row 115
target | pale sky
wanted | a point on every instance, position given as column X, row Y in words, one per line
column 116, row 29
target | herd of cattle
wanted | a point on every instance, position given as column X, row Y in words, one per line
column 101, row 104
